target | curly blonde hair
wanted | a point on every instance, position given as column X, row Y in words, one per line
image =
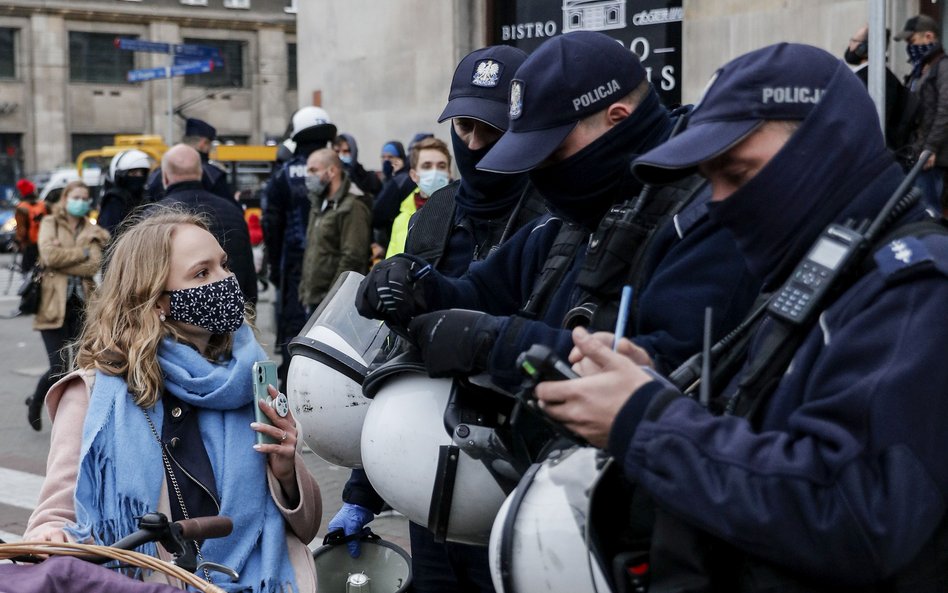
column 122, row 331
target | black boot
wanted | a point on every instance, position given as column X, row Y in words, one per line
column 34, row 413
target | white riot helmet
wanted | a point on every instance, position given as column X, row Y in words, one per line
column 329, row 360
column 539, row 541
column 310, row 124
column 432, row 449
column 382, row 567
column 126, row 161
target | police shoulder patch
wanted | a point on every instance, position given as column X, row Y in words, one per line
column 905, row 254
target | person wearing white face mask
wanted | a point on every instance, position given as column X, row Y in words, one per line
column 70, row 250
column 339, row 232
column 430, row 170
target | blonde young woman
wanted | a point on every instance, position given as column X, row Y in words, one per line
column 160, row 415
column 70, row 250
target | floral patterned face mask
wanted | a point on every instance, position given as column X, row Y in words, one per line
column 217, row 307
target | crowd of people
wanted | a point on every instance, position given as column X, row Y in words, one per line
column 748, row 290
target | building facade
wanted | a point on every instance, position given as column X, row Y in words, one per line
column 383, row 69
column 63, row 81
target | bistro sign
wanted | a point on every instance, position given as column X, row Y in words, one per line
column 650, row 28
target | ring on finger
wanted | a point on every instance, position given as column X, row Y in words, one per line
column 283, row 438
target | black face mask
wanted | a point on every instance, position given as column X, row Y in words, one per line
column 484, row 194
column 133, row 185
column 852, row 58
column 584, row 186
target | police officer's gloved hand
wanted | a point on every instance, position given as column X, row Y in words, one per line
column 351, row 518
column 394, row 290
column 455, row 341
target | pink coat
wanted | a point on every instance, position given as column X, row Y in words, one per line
column 68, row 401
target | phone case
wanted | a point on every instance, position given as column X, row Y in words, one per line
column 264, row 373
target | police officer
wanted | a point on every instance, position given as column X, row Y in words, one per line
column 199, row 135
column 826, row 472
column 581, row 108
column 285, row 217
column 461, row 223
column 128, row 171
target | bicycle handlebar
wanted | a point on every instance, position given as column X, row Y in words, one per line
column 201, row 528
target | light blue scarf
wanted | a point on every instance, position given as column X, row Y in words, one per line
column 121, row 471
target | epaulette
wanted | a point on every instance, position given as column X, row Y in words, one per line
column 923, row 249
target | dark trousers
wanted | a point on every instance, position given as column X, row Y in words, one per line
column 290, row 315
column 28, row 257
column 55, row 341
column 447, row 567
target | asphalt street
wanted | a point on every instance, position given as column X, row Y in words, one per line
column 23, row 451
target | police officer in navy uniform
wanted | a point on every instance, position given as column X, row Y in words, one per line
column 822, row 466
column 461, row 223
column 285, row 218
column 199, row 135
column 581, row 109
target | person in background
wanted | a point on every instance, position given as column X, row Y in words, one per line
column 430, row 171
column 367, row 181
column 200, row 136
column 929, row 82
column 128, row 171
column 285, row 202
column 897, row 130
column 160, row 414
column 396, row 185
column 339, row 233
column 70, row 250
column 29, row 212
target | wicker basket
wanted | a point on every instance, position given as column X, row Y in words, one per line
column 129, row 557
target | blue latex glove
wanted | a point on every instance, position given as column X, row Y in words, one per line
column 351, row 518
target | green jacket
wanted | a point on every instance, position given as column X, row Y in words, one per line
column 338, row 239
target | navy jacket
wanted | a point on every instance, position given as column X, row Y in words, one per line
column 699, row 268
column 842, row 481
column 286, row 213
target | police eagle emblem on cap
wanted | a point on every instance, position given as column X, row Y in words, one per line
column 516, row 99
column 486, row 73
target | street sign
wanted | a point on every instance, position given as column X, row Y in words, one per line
column 201, row 67
column 142, row 45
column 146, row 74
column 193, row 67
column 184, row 53
column 178, row 60
column 202, row 52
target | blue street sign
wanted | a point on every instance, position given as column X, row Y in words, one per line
column 193, row 67
column 202, row 52
column 142, row 45
column 202, row 67
column 146, row 74
column 178, row 60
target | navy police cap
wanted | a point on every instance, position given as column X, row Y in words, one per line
column 480, row 84
column 779, row 82
column 566, row 79
column 199, row 128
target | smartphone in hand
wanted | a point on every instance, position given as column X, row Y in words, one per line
column 265, row 374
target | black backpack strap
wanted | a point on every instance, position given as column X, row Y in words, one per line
column 565, row 246
column 431, row 227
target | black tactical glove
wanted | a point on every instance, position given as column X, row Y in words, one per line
column 455, row 341
column 394, row 290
